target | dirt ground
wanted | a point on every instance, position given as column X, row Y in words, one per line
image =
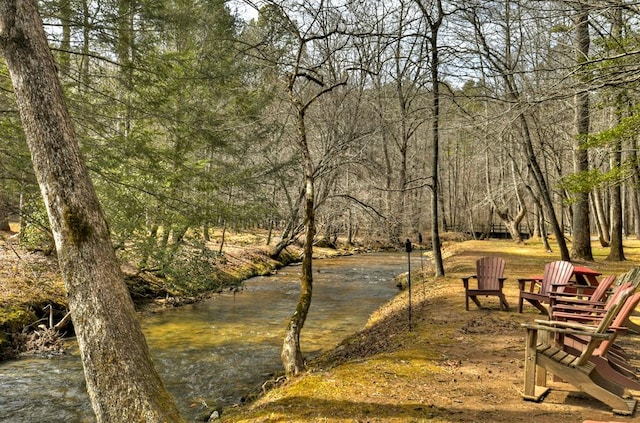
column 484, row 371
column 451, row 366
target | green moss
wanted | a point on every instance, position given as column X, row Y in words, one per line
column 13, row 318
column 79, row 228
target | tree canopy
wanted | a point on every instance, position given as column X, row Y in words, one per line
column 183, row 113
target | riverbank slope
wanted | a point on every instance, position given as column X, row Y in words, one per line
column 32, row 293
column 448, row 365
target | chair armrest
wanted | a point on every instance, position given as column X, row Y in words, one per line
column 579, row 308
column 560, row 323
column 574, row 290
column 576, row 317
column 501, row 282
column 465, row 281
column 534, row 280
column 531, row 279
column 573, row 297
column 569, row 329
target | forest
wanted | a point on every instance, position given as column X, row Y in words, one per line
column 133, row 128
column 408, row 116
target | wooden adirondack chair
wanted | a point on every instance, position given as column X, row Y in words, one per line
column 577, row 369
column 537, row 290
column 612, row 367
column 583, row 310
column 585, row 295
column 490, row 281
column 610, row 358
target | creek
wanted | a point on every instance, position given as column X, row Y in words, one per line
column 216, row 351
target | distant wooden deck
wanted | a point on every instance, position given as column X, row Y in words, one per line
column 497, row 231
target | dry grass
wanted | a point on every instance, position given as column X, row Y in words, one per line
column 452, row 366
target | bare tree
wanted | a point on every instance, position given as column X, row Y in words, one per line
column 505, row 64
column 122, row 382
column 313, row 34
column 581, row 246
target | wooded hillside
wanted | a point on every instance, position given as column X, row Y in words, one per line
column 517, row 114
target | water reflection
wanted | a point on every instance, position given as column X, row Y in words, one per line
column 215, row 351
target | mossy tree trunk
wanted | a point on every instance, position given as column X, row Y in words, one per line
column 122, row 382
column 291, row 355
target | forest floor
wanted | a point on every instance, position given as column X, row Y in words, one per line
column 450, row 365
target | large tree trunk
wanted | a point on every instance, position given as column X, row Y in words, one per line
column 616, row 253
column 581, row 247
column 122, row 382
column 434, row 19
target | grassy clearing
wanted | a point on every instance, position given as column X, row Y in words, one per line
column 453, row 366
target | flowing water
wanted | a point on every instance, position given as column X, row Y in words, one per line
column 216, row 351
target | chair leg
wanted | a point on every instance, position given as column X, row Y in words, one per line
column 537, row 304
column 474, row 298
column 520, row 303
column 504, row 305
column 466, row 301
column 535, row 385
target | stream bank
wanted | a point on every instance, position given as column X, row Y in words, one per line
column 32, row 293
column 212, row 354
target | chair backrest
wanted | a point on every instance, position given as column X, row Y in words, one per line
column 624, row 289
column 600, row 293
column 619, row 321
column 614, row 307
column 556, row 273
column 488, row 271
column 632, row 276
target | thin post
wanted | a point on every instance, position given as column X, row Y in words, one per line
column 424, row 294
column 407, row 246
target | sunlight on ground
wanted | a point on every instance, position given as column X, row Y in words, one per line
column 452, row 366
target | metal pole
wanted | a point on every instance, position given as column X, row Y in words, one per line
column 407, row 246
column 422, row 278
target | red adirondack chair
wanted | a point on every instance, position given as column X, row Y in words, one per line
column 542, row 355
column 610, row 358
column 610, row 364
column 536, row 290
column 586, row 295
column 490, row 281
